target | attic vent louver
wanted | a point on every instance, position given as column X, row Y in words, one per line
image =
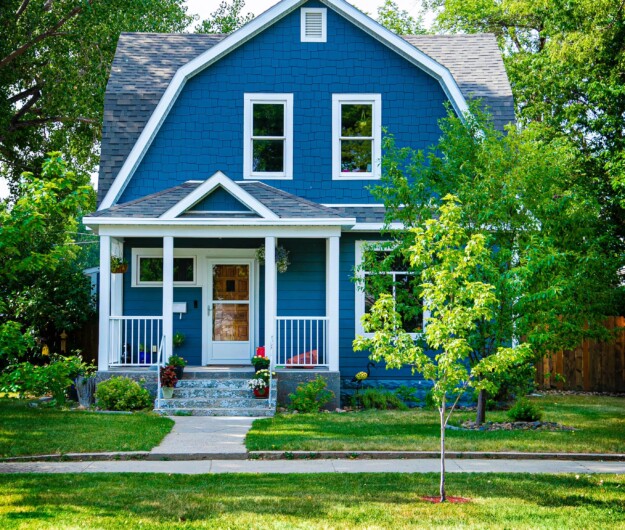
column 313, row 25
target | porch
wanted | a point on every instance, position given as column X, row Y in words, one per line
column 228, row 331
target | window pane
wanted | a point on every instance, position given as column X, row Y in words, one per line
column 268, row 119
column 151, row 269
column 375, row 285
column 183, row 269
column 357, row 120
column 356, row 156
column 408, row 305
column 231, row 322
column 268, row 156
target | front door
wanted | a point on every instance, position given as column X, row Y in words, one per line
column 230, row 311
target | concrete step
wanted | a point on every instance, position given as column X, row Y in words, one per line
column 214, row 383
column 254, row 413
column 242, row 373
column 213, row 393
column 224, row 403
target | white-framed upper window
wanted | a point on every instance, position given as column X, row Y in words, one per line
column 356, row 136
column 147, row 268
column 313, row 24
column 268, row 136
column 396, row 281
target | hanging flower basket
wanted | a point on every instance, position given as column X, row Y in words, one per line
column 282, row 258
column 118, row 265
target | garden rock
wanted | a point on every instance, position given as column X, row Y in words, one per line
column 513, row 426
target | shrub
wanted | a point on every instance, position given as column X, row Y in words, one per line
column 122, row 393
column 516, row 382
column 429, row 400
column 407, row 394
column 373, row 398
column 311, row 397
column 524, row 410
column 52, row 378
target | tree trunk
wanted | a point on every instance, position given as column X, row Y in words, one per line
column 442, row 413
column 480, row 416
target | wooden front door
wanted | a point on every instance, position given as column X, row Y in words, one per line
column 230, row 311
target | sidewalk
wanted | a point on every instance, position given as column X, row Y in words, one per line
column 426, row 465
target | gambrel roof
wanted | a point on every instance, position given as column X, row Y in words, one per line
column 146, row 64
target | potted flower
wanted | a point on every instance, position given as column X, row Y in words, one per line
column 118, row 265
column 282, row 258
column 168, row 381
column 260, row 362
column 259, row 384
column 178, row 363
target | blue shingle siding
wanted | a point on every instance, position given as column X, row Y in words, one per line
column 203, row 132
column 219, row 201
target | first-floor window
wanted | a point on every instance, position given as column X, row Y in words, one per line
column 150, row 270
column 383, row 271
column 268, row 124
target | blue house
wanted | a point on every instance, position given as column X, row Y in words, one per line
column 220, row 152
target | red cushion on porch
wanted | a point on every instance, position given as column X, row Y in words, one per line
column 301, row 360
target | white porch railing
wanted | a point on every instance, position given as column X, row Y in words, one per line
column 302, row 341
column 134, row 341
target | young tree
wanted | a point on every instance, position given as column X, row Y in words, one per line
column 228, row 17
column 450, row 263
column 42, row 287
column 399, row 20
column 55, row 59
column 554, row 272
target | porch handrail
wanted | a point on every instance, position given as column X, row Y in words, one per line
column 302, row 340
column 160, row 364
column 128, row 333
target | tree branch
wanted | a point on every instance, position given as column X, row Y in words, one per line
column 50, row 119
column 24, row 94
column 22, row 49
column 21, row 9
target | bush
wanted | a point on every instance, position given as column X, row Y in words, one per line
column 52, row 378
column 122, row 393
column 407, row 394
column 311, row 397
column 429, row 400
column 524, row 410
column 373, row 398
column 518, row 381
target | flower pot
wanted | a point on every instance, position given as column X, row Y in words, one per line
column 179, row 371
column 261, row 393
column 120, row 269
column 168, row 391
column 145, row 357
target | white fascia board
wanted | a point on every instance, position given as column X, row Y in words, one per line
column 244, row 34
column 218, row 179
column 130, row 230
column 406, row 50
column 187, row 71
column 375, row 227
column 121, row 221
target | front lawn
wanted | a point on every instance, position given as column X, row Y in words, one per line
column 599, row 428
column 309, row 501
column 35, row 431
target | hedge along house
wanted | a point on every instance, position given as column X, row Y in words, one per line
column 215, row 146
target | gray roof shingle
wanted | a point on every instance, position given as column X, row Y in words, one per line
column 145, row 63
column 283, row 204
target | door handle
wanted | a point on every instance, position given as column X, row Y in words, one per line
column 208, row 310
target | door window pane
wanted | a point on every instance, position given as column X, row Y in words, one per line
column 231, row 282
column 231, row 322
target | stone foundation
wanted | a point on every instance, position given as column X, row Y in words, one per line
column 288, row 380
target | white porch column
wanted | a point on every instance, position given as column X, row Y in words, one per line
column 168, row 294
column 271, row 299
column 332, row 301
column 105, row 302
column 117, row 280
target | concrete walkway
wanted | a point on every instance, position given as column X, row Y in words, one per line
column 223, row 436
column 428, row 465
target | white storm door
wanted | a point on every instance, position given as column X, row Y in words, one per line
column 230, row 311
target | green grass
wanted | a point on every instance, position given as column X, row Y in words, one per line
column 309, row 501
column 599, row 428
column 34, row 431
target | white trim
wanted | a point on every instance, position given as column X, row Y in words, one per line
column 337, row 205
column 359, row 299
column 217, row 180
column 271, row 299
column 221, row 222
column 375, row 100
column 239, row 37
column 375, row 227
column 105, row 302
column 324, row 24
column 168, row 296
column 249, row 100
column 220, row 231
column 332, row 300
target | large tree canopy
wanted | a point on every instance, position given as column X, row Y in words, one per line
column 566, row 63
column 55, row 57
column 225, row 19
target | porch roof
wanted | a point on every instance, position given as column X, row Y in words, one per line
column 283, row 204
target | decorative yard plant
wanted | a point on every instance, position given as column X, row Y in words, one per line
column 450, row 264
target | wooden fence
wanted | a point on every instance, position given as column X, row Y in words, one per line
column 594, row 366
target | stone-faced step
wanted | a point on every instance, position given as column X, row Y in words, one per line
column 212, row 393
column 218, row 374
column 253, row 413
column 226, row 403
column 213, row 383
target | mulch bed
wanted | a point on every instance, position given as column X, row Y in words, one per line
column 514, row 426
